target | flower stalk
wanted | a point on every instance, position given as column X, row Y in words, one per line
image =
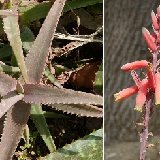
column 148, row 87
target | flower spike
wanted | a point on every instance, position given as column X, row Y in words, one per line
column 149, row 40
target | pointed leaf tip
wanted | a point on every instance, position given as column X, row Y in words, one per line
column 149, row 40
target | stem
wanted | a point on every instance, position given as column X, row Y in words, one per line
column 144, row 132
column 155, row 61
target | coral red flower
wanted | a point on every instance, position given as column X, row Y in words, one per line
column 142, row 87
column 154, row 21
column 157, row 88
column 125, row 93
column 149, row 40
column 141, row 96
column 134, row 65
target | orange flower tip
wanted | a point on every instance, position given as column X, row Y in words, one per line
column 117, row 97
column 137, row 108
column 157, row 103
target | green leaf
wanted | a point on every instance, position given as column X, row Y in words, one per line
column 88, row 148
column 27, row 38
column 98, row 83
column 74, row 4
column 35, row 12
column 10, row 69
column 51, row 77
column 11, row 28
column 5, row 51
column 42, row 127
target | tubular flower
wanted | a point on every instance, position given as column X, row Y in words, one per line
column 149, row 87
column 154, row 21
column 151, row 75
column 142, row 87
column 134, row 65
column 149, row 40
column 157, row 88
column 141, row 96
column 125, row 93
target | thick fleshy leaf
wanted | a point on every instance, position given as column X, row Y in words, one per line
column 8, row 101
column 15, row 122
column 36, row 58
column 149, row 40
column 125, row 93
column 40, row 94
column 157, row 88
column 80, row 109
column 134, row 65
column 42, row 127
column 11, row 28
column 88, row 148
column 141, row 96
column 7, row 84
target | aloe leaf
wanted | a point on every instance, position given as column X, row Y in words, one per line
column 11, row 28
column 5, row 51
column 10, row 69
column 38, row 11
column 16, row 119
column 80, row 110
column 7, row 84
column 51, row 77
column 80, row 3
column 27, row 38
column 54, row 115
column 88, row 148
column 47, row 95
column 38, row 53
column 98, row 83
column 8, row 101
column 42, row 127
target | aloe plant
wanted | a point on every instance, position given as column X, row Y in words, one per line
column 17, row 95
